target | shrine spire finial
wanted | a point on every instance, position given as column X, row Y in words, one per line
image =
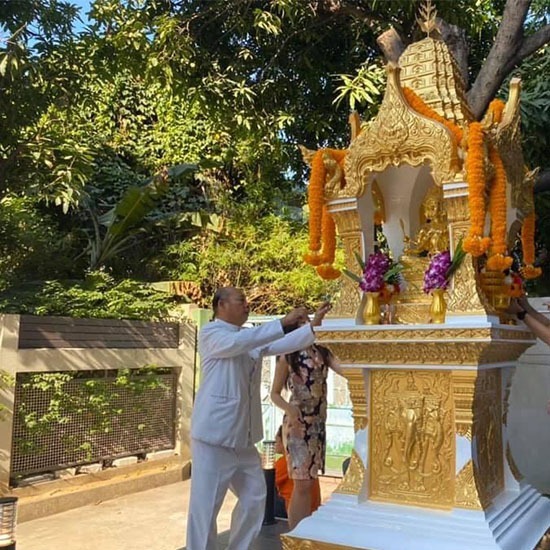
column 427, row 18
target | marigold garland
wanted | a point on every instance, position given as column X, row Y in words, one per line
column 529, row 271
column 418, row 104
column 475, row 243
column 329, row 237
column 498, row 260
column 496, row 107
column 322, row 230
column 315, row 201
column 326, row 270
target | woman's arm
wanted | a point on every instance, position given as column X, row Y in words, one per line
column 279, row 380
column 330, row 359
column 334, row 364
column 537, row 322
column 540, row 329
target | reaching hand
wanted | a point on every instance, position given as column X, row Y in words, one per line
column 523, row 302
column 295, row 318
column 515, row 306
column 520, row 304
column 322, row 310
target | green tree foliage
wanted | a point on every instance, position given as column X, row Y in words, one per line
column 99, row 296
column 32, row 245
column 123, row 220
column 38, row 66
column 230, row 85
column 264, row 257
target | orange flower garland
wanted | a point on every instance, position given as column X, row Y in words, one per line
column 475, row 243
column 529, row 271
column 315, row 201
column 326, row 270
column 322, row 230
column 498, row 260
column 417, row 103
column 496, row 107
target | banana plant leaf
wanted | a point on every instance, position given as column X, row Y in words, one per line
column 124, row 219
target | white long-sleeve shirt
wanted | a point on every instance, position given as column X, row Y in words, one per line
column 228, row 410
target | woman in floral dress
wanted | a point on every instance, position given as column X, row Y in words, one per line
column 304, row 373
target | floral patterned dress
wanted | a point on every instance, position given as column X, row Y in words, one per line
column 306, row 439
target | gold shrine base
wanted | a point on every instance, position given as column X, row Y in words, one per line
column 291, row 543
column 430, row 415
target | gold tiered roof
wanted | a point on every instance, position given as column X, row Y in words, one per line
column 428, row 68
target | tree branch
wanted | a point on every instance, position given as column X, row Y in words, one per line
column 391, row 45
column 530, row 45
column 455, row 38
column 508, row 41
column 543, row 182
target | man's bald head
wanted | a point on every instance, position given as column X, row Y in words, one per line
column 230, row 305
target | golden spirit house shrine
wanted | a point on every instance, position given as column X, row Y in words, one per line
column 431, row 466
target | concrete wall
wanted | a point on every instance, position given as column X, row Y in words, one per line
column 528, row 420
column 67, row 357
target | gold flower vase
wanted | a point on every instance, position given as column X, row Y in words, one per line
column 438, row 307
column 369, row 313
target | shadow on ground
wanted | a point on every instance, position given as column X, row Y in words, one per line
column 268, row 539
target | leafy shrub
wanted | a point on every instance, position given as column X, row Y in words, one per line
column 31, row 245
column 264, row 258
column 99, row 296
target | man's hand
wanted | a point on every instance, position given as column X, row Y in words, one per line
column 294, row 319
column 322, row 310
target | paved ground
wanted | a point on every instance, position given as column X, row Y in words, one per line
column 150, row 520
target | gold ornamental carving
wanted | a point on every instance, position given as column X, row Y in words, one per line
column 466, row 495
column 464, row 296
column 427, row 353
column 293, row 543
column 412, row 444
column 478, row 416
column 507, row 138
column 358, row 396
column 463, row 396
column 352, row 482
column 507, row 382
column 348, row 224
column 487, row 431
column 399, row 135
column 439, row 335
column 428, row 68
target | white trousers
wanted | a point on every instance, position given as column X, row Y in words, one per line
column 214, row 470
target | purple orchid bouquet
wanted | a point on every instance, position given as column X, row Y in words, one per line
column 373, row 273
column 377, row 271
column 442, row 268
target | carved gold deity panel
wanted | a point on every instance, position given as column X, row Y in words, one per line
column 412, row 443
column 487, row 432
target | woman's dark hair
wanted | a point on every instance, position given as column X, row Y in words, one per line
column 293, row 359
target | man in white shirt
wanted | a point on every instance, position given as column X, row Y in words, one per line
column 227, row 416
